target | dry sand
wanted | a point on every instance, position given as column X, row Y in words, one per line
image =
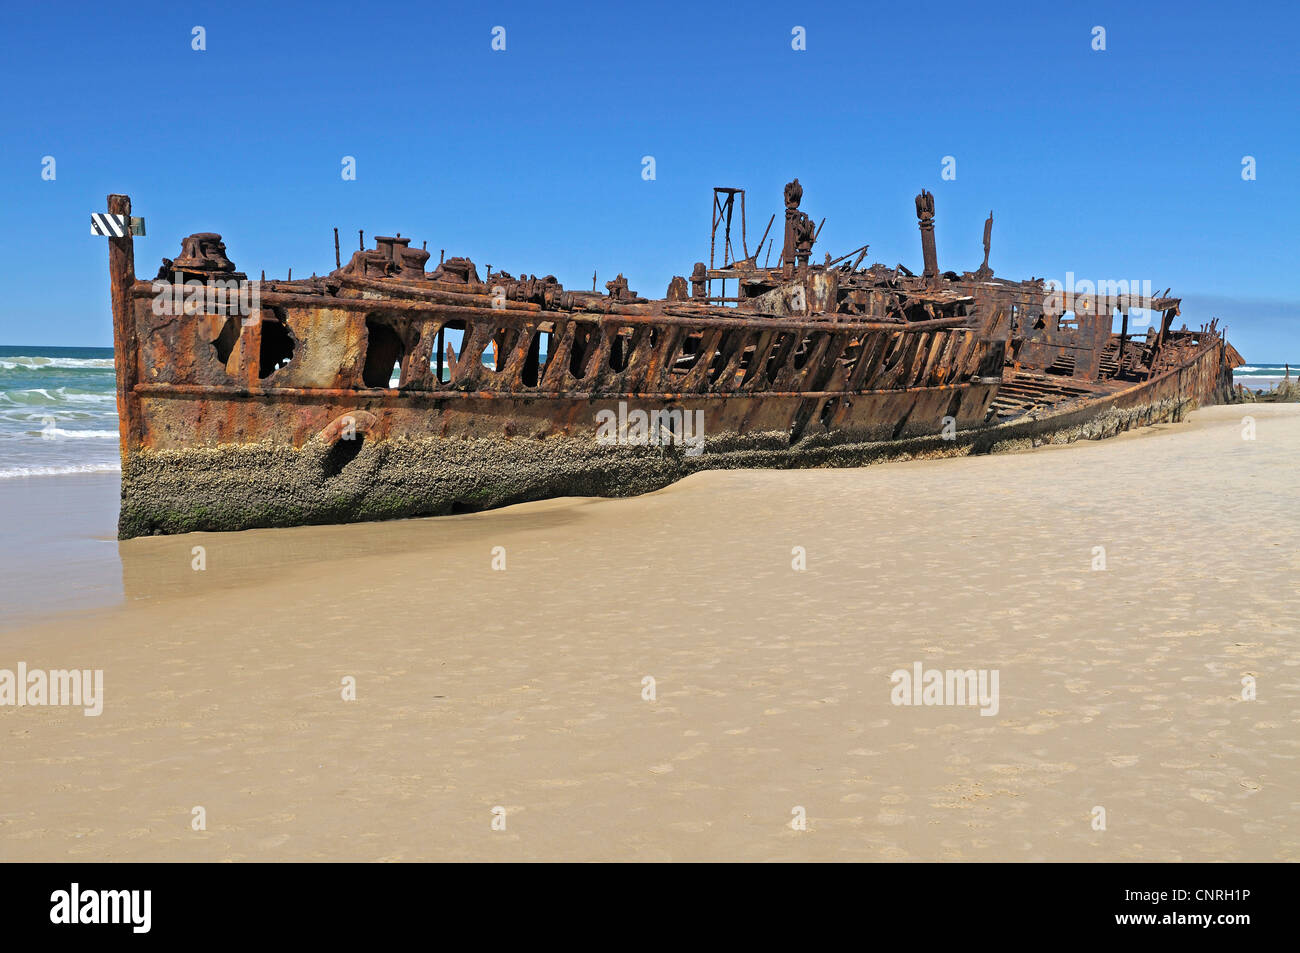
column 522, row 688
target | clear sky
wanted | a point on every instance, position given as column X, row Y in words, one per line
column 1117, row 164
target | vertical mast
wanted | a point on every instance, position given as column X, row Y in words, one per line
column 925, row 221
column 121, row 277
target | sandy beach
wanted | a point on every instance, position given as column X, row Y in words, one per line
column 523, row 688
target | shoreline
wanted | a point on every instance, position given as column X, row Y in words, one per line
column 68, row 519
column 60, row 545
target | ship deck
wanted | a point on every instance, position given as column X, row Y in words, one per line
column 1024, row 392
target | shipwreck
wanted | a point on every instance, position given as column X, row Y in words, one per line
column 388, row 388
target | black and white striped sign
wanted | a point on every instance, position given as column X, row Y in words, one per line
column 109, row 226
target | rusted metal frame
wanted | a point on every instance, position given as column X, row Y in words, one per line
column 122, row 283
column 590, row 353
column 966, row 360
column 987, row 358
column 281, row 299
column 900, row 374
column 432, row 295
column 758, row 361
column 787, row 344
column 660, row 365
column 890, row 358
column 937, row 347
column 732, row 351
column 868, row 360
column 839, row 372
column 743, row 342
column 416, row 308
column 419, row 368
column 736, row 365
column 510, row 374
column 886, row 375
column 697, row 378
column 854, row 364
column 641, row 316
column 408, row 333
column 912, row 374
column 634, row 346
column 469, row 368
column 939, row 371
column 637, row 358
column 607, row 379
column 791, row 377
column 409, row 330
column 997, row 352
column 391, row 396
column 598, row 374
column 557, row 357
column 965, row 345
column 250, row 351
column 419, row 365
column 827, row 362
column 748, row 319
column 506, row 372
column 847, row 363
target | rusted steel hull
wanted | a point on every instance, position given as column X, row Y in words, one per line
column 279, row 407
column 434, row 459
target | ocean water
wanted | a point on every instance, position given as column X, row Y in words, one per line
column 1262, row 372
column 58, row 411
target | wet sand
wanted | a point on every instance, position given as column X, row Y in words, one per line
column 59, row 545
column 522, row 689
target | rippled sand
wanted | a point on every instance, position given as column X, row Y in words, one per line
column 523, row 689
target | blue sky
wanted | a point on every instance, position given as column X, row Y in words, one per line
column 1123, row 163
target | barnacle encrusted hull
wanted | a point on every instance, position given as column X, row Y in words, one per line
column 231, row 487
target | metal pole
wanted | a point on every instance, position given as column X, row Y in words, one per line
column 121, row 276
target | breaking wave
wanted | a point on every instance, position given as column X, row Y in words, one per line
column 60, row 433
column 37, row 362
column 10, row 473
column 58, row 412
